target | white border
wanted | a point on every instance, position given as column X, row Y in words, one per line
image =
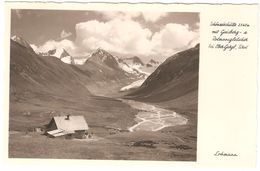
column 114, row 167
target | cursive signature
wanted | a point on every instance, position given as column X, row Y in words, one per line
column 222, row 153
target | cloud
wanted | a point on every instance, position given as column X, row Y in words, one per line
column 153, row 16
column 52, row 44
column 148, row 16
column 126, row 37
column 65, row 34
column 110, row 15
column 119, row 36
column 173, row 38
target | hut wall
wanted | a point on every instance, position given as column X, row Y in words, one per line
column 80, row 134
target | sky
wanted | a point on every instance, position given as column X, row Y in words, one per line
column 156, row 35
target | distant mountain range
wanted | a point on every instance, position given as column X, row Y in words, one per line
column 131, row 65
column 98, row 74
column 57, row 72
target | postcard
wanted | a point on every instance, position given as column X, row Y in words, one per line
column 168, row 84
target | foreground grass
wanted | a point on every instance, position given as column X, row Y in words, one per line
column 121, row 146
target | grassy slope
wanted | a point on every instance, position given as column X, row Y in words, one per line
column 176, row 77
column 98, row 111
column 116, row 147
column 45, row 87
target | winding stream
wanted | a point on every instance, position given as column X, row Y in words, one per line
column 152, row 118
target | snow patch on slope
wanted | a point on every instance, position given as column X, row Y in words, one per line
column 80, row 61
column 135, row 84
column 58, row 53
column 67, row 59
column 138, row 68
column 131, row 69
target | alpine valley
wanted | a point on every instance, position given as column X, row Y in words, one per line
column 131, row 107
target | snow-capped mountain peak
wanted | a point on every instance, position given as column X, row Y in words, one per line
column 100, row 51
column 102, row 56
column 60, row 53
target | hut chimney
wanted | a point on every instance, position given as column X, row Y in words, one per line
column 68, row 117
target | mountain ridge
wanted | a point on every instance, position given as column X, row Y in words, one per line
column 176, row 77
column 22, row 42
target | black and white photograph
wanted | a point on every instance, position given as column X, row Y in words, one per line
column 103, row 85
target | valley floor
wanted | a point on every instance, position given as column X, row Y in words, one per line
column 175, row 143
